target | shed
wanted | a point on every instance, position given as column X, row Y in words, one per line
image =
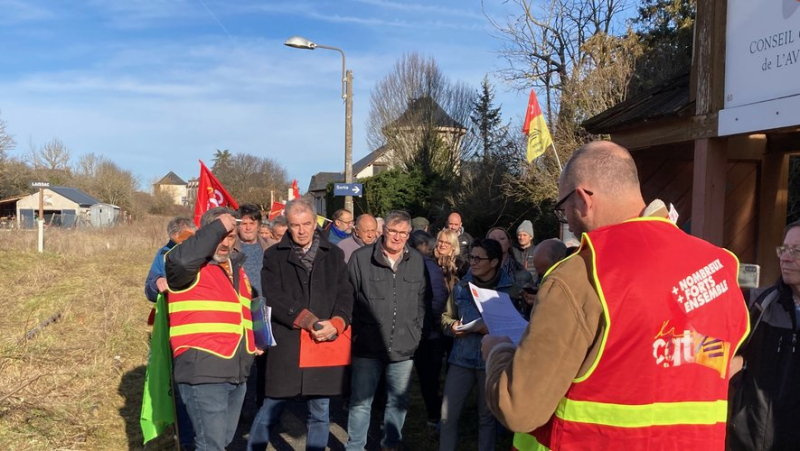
column 103, row 215
column 63, row 206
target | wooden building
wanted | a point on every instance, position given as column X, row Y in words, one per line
column 716, row 141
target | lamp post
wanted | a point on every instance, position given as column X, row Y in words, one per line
column 347, row 94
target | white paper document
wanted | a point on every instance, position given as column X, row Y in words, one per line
column 262, row 323
column 471, row 326
column 499, row 313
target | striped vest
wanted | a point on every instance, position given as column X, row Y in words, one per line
column 210, row 315
column 674, row 316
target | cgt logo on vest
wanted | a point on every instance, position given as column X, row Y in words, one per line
column 673, row 349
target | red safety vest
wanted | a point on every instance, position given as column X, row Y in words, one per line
column 210, row 315
column 674, row 316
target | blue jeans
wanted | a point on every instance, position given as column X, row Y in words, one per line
column 214, row 410
column 269, row 415
column 366, row 373
column 185, row 430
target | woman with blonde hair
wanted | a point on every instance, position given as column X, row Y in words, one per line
column 447, row 256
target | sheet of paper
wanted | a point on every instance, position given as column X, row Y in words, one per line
column 471, row 326
column 499, row 313
column 262, row 326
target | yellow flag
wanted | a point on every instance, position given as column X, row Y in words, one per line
column 535, row 127
column 321, row 220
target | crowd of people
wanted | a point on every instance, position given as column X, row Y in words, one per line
column 359, row 305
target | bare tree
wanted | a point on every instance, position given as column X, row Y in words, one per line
column 544, row 46
column 582, row 56
column 421, row 116
column 53, row 156
column 6, row 141
column 249, row 178
column 105, row 180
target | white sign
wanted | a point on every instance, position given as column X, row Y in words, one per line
column 762, row 57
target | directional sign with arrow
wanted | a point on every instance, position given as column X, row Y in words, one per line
column 348, row 189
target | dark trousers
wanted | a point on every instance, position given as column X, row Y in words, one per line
column 428, row 362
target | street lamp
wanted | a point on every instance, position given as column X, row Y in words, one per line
column 347, row 94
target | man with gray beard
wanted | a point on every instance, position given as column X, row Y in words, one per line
column 211, row 332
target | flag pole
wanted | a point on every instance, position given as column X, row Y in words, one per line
column 558, row 160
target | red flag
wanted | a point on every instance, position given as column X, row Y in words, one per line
column 535, row 127
column 295, row 189
column 210, row 194
column 275, row 210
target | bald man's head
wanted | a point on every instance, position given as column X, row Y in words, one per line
column 548, row 253
column 603, row 165
column 599, row 186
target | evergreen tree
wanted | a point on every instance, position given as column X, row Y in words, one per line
column 486, row 120
column 666, row 30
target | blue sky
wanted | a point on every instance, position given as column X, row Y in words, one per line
column 155, row 85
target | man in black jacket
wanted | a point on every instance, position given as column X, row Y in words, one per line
column 304, row 280
column 389, row 279
column 765, row 395
column 210, row 330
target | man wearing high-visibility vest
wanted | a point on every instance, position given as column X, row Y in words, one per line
column 210, row 327
column 631, row 341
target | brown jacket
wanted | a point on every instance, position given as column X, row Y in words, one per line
column 525, row 384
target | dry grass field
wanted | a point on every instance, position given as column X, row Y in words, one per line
column 77, row 383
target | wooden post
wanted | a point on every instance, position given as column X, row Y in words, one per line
column 708, row 63
column 41, row 204
column 772, row 213
column 708, row 190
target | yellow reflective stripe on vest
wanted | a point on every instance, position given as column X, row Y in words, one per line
column 247, row 324
column 636, row 416
column 527, row 442
column 205, row 328
column 204, row 306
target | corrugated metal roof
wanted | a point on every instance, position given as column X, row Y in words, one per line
column 669, row 99
column 75, row 195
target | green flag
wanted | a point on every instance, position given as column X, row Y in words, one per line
column 158, row 407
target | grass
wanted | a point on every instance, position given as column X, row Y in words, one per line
column 77, row 384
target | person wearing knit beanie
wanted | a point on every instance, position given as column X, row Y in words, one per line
column 523, row 250
column 525, row 227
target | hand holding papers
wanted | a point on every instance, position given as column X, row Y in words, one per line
column 499, row 313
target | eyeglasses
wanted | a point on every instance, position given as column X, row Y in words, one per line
column 561, row 215
column 392, row 232
column 445, row 243
column 475, row 259
column 794, row 252
column 346, row 222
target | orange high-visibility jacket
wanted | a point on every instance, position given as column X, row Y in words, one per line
column 674, row 316
column 210, row 315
